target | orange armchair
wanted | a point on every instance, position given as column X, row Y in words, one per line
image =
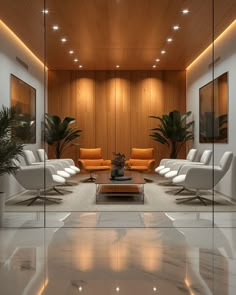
column 91, row 161
column 141, row 159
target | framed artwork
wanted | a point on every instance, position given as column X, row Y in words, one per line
column 23, row 98
column 213, row 111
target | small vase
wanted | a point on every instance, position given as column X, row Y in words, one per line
column 113, row 172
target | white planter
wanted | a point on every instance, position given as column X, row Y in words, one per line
column 2, row 206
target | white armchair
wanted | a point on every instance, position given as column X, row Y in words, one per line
column 38, row 178
column 175, row 167
column 68, row 164
column 190, row 157
column 202, row 178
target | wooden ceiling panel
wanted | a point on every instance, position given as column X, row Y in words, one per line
column 131, row 33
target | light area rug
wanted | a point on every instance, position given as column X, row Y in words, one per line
column 158, row 198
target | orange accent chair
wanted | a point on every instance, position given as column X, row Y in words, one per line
column 91, row 161
column 141, row 159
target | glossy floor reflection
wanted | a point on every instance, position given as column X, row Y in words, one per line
column 119, row 260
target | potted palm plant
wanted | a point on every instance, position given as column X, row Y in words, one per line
column 59, row 134
column 173, row 131
column 10, row 148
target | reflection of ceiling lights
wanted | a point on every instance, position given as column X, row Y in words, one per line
column 45, row 11
column 71, row 52
column 154, row 66
column 117, row 289
column 117, row 66
column 163, row 52
column 169, row 40
column 63, row 40
column 158, row 59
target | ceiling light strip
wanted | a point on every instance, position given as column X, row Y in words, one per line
column 10, row 32
column 221, row 35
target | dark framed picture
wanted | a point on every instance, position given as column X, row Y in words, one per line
column 23, row 98
column 213, row 111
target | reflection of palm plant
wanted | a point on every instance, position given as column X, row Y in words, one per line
column 58, row 134
column 119, row 160
column 173, row 131
column 10, row 150
column 213, row 128
column 25, row 127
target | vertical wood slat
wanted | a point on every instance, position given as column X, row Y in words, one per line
column 113, row 107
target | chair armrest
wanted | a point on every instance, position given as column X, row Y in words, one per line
column 201, row 177
column 106, row 163
column 151, row 164
column 82, row 164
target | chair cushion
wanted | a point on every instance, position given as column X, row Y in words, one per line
column 95, row 153
column 93, row 162
column 142, row 153
column 139, row 168
column 134, row 162
column 97, row 168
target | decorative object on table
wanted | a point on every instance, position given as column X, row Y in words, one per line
column 118, row 165
column 121, row 178
column 173, row 131
column 10, row 149
column 59, row 134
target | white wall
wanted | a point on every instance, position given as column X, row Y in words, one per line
column 199, row 74
column 10, row 48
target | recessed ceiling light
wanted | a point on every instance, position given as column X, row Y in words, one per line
column 117, row 289
column 185, row 11
column 76, row 59
column 63, row 40
column 169, row 40
column 176, row 27
column 80, row 66
column 154, row 289
column 154, row 66
column 80, row 289
column 158, row 59
column 163, row 52
column 45, row 11
column 71, row 51
column 117, row 66
column 55, row 27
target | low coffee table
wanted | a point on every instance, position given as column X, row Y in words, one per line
column 105, row 186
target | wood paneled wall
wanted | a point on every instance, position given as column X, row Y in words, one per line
column 113, row 107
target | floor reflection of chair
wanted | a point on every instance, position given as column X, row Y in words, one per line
column 38, row 178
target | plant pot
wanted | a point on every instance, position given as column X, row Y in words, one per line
column 2, row 207
column 120, row 171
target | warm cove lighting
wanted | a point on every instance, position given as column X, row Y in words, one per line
column 217, row 39
column 16, row 39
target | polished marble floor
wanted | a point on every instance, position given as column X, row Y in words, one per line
column 118, row 253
